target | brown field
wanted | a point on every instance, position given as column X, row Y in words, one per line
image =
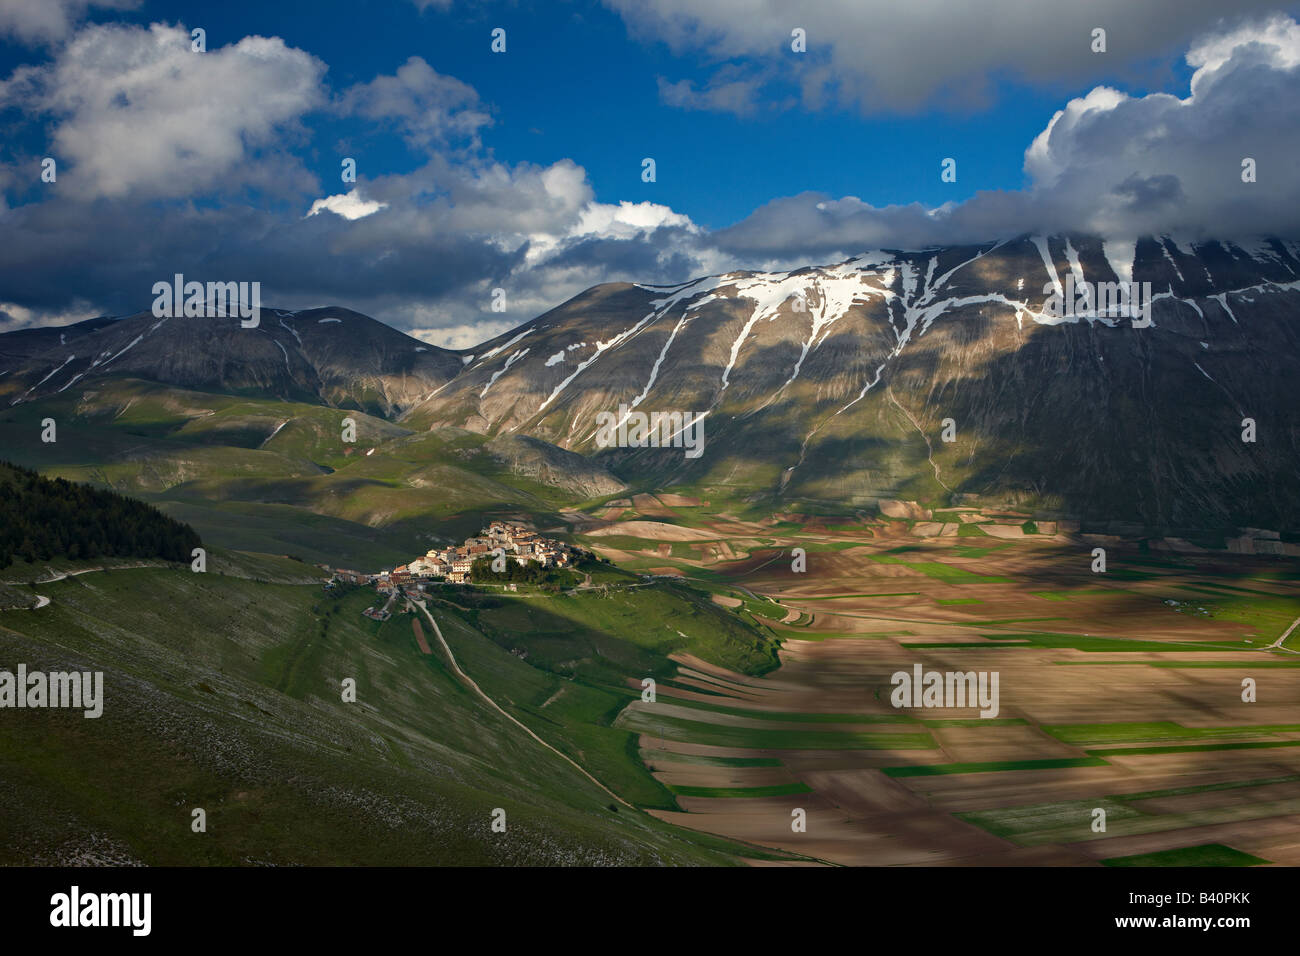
column 1111, row 655
column 653, row 530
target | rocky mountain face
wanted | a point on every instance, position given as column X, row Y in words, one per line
column 329, row 356
column 938, row 375
column 949, row 376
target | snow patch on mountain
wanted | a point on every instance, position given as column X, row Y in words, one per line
column 659, row 307
column 1164, row 247
column 501, row 348
column 292, row 331
column 1041, row 244
column 514, row 357
column 1222, row 299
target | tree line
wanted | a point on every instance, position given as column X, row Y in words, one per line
column 530, row 573
column 42, row 518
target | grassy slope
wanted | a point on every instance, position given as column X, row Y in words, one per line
column 275, row 476
column 223, row 693
column 566, row 665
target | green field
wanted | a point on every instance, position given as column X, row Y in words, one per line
column 700, row 760
column 720, row 735
column 1207, row 854
column 931, row 770
column 1080, row 642
column 1084, row 734
column 776, row 790
column 1194, row 748
column 1065, row 820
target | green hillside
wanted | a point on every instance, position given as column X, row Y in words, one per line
column 222, row 691
column 267, row 475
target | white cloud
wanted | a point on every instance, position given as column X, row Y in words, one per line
column 463, row 223
column 1276, row 43
column 627, row 219
column 137, row 113
column 1107, row 163
column 347, row 205
column 426, row 106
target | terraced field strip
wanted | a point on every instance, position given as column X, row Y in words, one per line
column 841, row 597
column 1063, row 820
column 1143, row 812
column 1070, row 821
column 937, row 769
column 1207, row 854
column 721, row 735
column 419, row 636
column 703, row 760
column 1087, row 643
column 775, row 790
column 792, row 716
column 1206, row 788
column 1119, row 733
column 1191, row 748
column 1230, row 665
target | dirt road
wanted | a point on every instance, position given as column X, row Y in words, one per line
column 469, row 682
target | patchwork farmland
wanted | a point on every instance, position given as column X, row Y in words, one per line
column 1121, row 691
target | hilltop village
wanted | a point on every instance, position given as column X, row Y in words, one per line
column 453, row 564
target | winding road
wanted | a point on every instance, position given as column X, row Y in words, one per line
column 43, row 601
column 469, row 682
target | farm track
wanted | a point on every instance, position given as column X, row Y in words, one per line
column 469, row 682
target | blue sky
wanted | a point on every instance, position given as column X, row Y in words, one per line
column 480, row 170
column 573, row 84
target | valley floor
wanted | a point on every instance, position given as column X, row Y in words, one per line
column 1120, row 692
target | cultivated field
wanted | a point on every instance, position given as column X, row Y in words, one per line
column 1119, row 691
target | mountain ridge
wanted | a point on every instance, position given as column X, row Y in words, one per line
column 839, row 383
column 888, row 346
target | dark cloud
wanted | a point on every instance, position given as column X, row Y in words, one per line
column 425, row 249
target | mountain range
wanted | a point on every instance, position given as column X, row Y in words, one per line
column 935, row 375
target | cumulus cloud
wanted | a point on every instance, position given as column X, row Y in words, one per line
column 1107, row 163
column 864, row 53
column 47, row 21
column 462, row 223
column 137, row 113
column 347, row 205
column 425, row 106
